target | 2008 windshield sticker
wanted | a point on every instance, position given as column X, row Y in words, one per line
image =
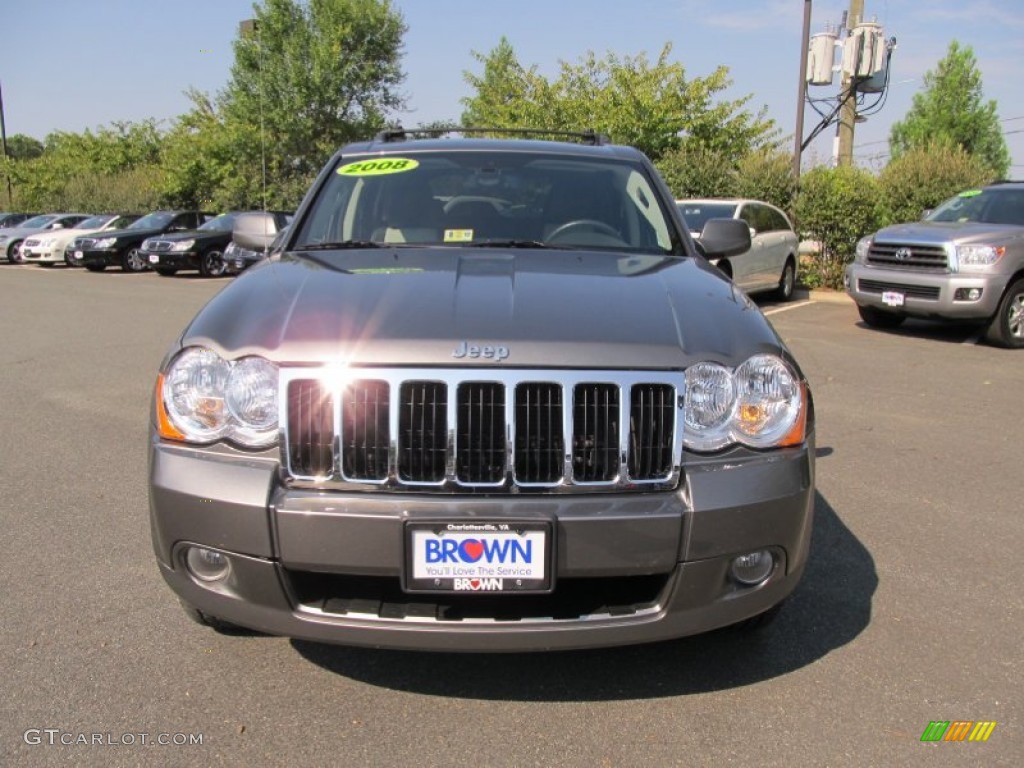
column 378, row 167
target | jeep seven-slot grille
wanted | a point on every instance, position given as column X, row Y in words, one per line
column 930, row 258
column 447, row 430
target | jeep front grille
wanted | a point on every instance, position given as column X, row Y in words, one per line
column 931, row 258
column 482, row 430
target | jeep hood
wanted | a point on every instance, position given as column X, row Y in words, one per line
column 940, row 232
column 547, row 308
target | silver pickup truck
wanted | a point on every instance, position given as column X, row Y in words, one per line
column 963, row 262
column 489, row 395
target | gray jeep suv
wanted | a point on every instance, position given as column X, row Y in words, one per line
column 487, row 396
column 963, row 262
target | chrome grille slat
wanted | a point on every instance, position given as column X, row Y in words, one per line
column 459, row 430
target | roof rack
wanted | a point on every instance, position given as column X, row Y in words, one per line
column 398, row 133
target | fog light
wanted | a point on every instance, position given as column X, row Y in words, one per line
column 967, row 294
column 207, row 564
column 752, row 568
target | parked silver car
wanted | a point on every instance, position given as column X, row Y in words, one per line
column 486, row 397
column 771, row 262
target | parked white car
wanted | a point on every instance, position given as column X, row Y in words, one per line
column 52, row 247
column 771, row 262
column 12, row 238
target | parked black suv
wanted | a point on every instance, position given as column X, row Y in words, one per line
column 121, row 247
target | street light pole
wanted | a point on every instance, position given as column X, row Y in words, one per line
column 250, row 28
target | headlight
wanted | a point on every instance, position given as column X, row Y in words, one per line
column 760, row 404
column 861, row 252
column 106, row 242
column 203, row 398
column 47, row 242
column 183, row 245
column 230, row 250
column 146, row 245
column 973, row 257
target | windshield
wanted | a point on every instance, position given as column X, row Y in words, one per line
column 696, row 214
column 157, row 220
column 988, row 206
column 222, row 223
column 93, row 222
column 460, row 198
column 38, row 222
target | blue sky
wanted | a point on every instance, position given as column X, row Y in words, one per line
column 71, row 64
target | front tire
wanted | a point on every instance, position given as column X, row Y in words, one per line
column 14, row 252
column 877, row 318
column 211, row 264
column 1006, row 329
column 133, row 261
column 217, row 625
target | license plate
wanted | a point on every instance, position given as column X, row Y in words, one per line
column 892, row 299
column 154, row 259
column 480, row 557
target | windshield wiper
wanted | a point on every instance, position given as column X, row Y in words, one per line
column 341, row 245
column 505, row 244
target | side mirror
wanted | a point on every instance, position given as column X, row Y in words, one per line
column 254, row 231
column 722, row 238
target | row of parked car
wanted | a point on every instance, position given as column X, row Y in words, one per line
column 164, row 241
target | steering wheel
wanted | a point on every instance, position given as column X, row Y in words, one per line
column 593, row 224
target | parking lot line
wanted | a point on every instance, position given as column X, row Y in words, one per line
column 797, row 305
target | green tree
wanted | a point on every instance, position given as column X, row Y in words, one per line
column 654, row 107
column 311, row 77
column 951, row 108
column 22, row 147
column 924, row 176
column 836, row 207
column 79, row 170
column 694, row 172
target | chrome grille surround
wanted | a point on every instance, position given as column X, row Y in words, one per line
column 512, row 452
column 925, row 257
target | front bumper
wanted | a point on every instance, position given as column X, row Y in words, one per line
column 108, row 257
column 302, row 561
column 239, row 262
column 39, row 255
column 926, row 295
column 175, row 260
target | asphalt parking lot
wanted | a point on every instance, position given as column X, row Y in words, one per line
column 910, row 611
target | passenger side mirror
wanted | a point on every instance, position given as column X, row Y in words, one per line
column 254, row 231
column 722, row 238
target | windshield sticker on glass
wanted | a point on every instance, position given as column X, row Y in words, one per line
column 458, row 235
column 378, row 167
column 970, row 193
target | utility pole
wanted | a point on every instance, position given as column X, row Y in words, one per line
column 848, row 113
column 798, row 134
column 3, row 138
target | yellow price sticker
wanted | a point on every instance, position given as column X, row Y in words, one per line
column 378, row 167
column 458, row 235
